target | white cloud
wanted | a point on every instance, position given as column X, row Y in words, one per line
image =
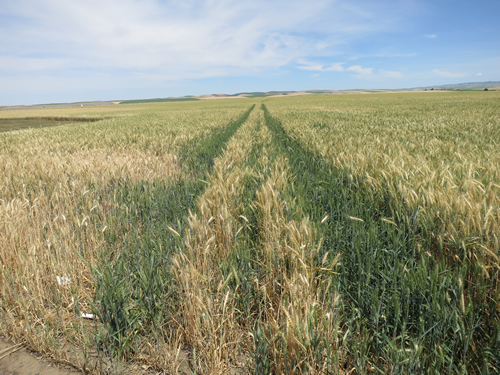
column 389, row 55
column 334, row 67
column 338, row 67
column 479, row 74
column 188, row 39
column 442, row 73
column 360, row 70
column 307, row 65
column 430, row 36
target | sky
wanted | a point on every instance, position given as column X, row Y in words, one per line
column 65, row 51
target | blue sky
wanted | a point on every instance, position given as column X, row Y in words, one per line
column 65, row 50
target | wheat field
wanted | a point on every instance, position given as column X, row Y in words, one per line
column 319, row 234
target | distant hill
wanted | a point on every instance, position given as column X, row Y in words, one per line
column 138, row 101
column 466, row 86
column 495, row 85
column 477, row 86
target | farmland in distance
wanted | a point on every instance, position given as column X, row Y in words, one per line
column 317, row 234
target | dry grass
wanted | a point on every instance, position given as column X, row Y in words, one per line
column 53, row 213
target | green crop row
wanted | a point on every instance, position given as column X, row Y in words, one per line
column 404, row 310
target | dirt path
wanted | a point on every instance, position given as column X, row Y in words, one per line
column 21, row 361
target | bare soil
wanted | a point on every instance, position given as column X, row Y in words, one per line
column 17, row 360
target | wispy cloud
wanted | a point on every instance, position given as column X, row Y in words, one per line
column 360, row 70
column 372, row 74
column 388, row 55
column 186, row 47
column 442, row 73
column 307, row 65
column 188, row 39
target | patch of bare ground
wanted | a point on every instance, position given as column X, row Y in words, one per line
column 16, row 359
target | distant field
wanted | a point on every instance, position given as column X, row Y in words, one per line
column 7, row 125
column 331, row 234
column 138, row 101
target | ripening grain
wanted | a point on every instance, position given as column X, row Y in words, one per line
column 319, row 234
column 55, row 207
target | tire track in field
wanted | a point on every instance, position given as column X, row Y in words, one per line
column 386, row 280
column 343, row 217
column 246, row 259
column 207, row 313
column 247, row 263
column 135, row 291
column 200, row 158
column 279, row 285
